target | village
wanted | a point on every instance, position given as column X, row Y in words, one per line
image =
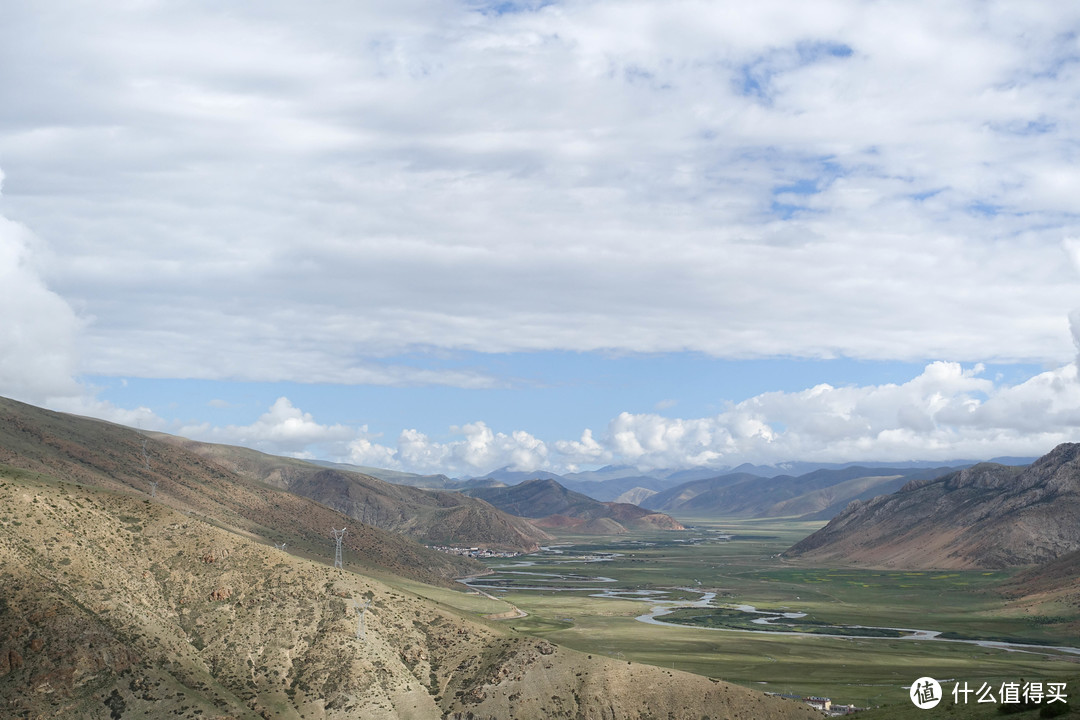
column 823, row 704
column 474, row 552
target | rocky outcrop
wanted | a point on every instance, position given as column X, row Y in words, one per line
column 221, row 593
column 215, row 555
column 9, row 660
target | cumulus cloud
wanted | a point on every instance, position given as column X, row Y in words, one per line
column 283, row 429
column 281, row 192
column 478, row 451
column 38, row 329
column 947, row 412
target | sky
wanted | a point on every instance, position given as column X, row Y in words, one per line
column 457, row 236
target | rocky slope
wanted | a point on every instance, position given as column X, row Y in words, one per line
column 553, row 506
column 435, row 517
column 985, row 516
column 117, row 605
column 119, row 459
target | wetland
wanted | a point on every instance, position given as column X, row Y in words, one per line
column 718, row 600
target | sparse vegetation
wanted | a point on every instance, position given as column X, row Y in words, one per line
column 202, row 617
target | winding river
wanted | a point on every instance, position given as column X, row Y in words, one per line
column 662, row 606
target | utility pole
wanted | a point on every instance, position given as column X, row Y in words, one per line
column 338, row 535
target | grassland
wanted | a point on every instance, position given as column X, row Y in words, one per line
column 738, row 561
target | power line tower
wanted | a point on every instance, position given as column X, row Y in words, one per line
column 361, row 610
column 280, row 547
column 338, row 535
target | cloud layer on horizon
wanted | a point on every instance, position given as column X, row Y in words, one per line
column 945, row 413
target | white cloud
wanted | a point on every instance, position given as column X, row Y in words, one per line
column 140, row 418
column 300, row 193
column 480, row 450
column 38, row 329
column 283, row 429
column 947, row 412
column 584, row 451
column 252, row 196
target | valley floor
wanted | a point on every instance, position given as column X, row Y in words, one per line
column 592, row 594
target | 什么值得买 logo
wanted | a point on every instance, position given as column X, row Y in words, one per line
column 925, row 693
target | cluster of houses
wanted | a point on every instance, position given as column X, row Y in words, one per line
column 475, row 552
column 823, row 704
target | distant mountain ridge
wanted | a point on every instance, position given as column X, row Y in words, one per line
column 608, row 483
column 435, row 517
column 554, row 506
column 815, row 495
column 984, row 516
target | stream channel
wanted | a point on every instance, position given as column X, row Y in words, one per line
column 600, row 587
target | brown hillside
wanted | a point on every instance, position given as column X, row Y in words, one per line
column 436, row 517
column 986, row 516
column 110, row 456
column 542, row 498
column 595, row 526
column 119, row 606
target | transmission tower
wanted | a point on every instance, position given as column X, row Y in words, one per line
column 280, row 547
column 361, row 630
column 338, row 535
column 153, row 489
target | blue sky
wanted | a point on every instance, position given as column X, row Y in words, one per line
column 543, row 391
column 449, row 237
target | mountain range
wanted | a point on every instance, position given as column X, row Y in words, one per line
column 817, row 495
column 554, row 506
column 434, row 517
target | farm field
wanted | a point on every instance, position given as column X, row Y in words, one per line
column 721, row 565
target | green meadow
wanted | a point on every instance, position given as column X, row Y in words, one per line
column 738, row 561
